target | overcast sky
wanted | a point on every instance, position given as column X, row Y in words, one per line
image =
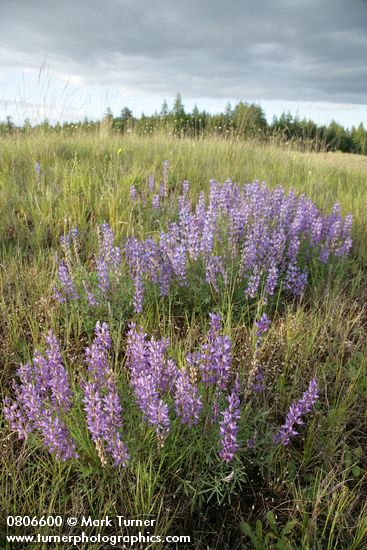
column 70, row 59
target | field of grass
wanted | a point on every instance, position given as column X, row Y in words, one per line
column 310, row 494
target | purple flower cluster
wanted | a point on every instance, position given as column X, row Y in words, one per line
column 141, row 258
column 107, row 262
column 200, row 390
column 262, row 325
column 228, row 426
column 133, row 193
column 295, row 413
column 42, row 399
column 154, row 377
column 108, row 258
column 214, row 359
column 150, row 377
column 101, row 401
column 188, row 403
column 68, row 290
column 250, row 236
column 274, row 235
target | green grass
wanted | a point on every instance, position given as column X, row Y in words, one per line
column 317, row 486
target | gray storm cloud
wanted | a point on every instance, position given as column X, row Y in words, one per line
column 281, row 49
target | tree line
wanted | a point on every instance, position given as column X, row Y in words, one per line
column 244, row 120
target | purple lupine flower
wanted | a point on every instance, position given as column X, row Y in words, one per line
column 112, row 406
column 58, row 296
column 165, row 172
column 96, row 355
column 136, row 351
column 162, row 190
column 108, row 258
column 66, row 281
column 112, row 411
column 228, row 427
column 117, row 449
column 185, row 187
column 56, row 436
column 275, row 236
column 154, row 409
column 141, row 260
column 101, row 400
column 215, row 325
column 65, row 241
column 151, row 184
column 106, row 239
column 102, row 274
column 40, row 398
column 295, row 413
column 208, row 233
column 30, row 401
column 38, row 374
column 93, row 409
column 156, row 356
column 151, row 376
column 38, row 167
column 173, row 254
column 295, row 279
column 133, row 193
column 253, row 284
column 214, row 359
column 58, row 382
column 193, row 239
column 262, row 325
column 271, row 281
column 92, row 301
column 342, row 248
column 187, row 399
column 139, row 293
column 155, row 201
column 16, row 418
column 185, row 216
column 102, row 336
column 214, row 267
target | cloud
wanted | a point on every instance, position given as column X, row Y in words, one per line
column 282, row 49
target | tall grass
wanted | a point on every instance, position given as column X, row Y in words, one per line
column 310, row 495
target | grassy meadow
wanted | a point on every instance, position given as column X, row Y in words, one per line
column 310, row 494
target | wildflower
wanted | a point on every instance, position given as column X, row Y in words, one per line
column 101, row 400
column 41, row 396
column 133, row 193
column 214, row 359
column 151, row 184
column 295, row 413
column 67, row 283
column 154, row 409
column 155, row 201
column 187, row 400
column 56, row 436
column 57, row 382
column 228, row 427
column 151, row 376
column 262, row 325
